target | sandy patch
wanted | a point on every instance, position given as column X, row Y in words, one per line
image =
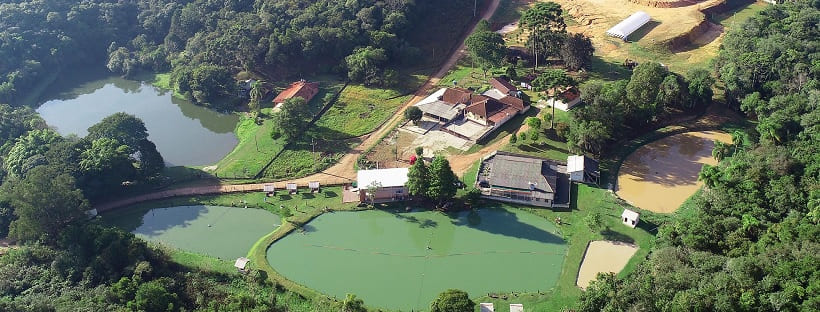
column 661, row 175
column 603, row 256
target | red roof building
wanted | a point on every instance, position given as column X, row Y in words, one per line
column 503, row 85
column 301, row 88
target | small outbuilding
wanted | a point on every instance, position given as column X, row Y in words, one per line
column 516, row 307
column 241, row 263
column 583, row 169
column 269, row 189
column 389, row 185
column 630, row 218
column 292, row 188
column 629, row 25
column 487, row 307
column 314, row 186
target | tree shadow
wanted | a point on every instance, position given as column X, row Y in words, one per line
column 601, row 69
column 154, row 221
column 307, row 228
column 422, row 223
column 497, row 220
column 611, row 235
column 649, row 226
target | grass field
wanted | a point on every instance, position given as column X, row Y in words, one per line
column 544, row 146
column 508, row 11
column 359, row 111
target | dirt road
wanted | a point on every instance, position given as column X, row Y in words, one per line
column 340, row 173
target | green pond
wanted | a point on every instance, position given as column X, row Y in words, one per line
column 223, row 232
column 403, row 260
column 185, row 134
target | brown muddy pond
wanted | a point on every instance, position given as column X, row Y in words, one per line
column 661, row 175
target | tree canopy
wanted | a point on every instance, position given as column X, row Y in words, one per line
column 545, row 23
column 452, row 300
column 291, row 118
column 487, row 48
column 576, row 51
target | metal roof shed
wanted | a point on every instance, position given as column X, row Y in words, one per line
column 629, row 25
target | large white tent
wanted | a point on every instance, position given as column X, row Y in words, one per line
column 629, row 25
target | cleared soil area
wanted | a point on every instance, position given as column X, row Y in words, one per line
column 603, row 256
column 661, row 175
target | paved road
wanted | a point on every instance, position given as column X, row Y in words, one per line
column 338, row 174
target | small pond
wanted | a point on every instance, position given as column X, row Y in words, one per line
column 185, row 134
column 661, row 175
column 223, row 232
column 404, row 260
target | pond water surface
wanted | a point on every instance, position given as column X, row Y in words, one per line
column 185, row 134
column 404, row 260
column 661, row 175
column 223, row 232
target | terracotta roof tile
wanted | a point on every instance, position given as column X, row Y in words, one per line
column 303, row 89
column 502, row 85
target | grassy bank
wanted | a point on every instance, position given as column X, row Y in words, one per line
column 255, row 148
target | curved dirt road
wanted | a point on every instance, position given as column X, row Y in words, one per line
column 343, row 171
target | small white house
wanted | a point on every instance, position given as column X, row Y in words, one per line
column 630, row 218
column 389, row 184
column 241, row 263
column 516, row 307
column 565, row 100
column 487, row 307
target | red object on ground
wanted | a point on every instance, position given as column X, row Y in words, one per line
column 412, row 160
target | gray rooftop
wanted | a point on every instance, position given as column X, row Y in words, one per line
column 517, row 172
column 441, row 109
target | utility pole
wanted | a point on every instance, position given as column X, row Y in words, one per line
column 313, row 151
column 475, row 7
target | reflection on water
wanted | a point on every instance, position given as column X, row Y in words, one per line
column 224, row 232
column 185, row 134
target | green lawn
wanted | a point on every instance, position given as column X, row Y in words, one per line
column 255, row 149
column 736, row 16
column 359, row 111
column 508, row 11
column 573, row 229
column 467, row 76
column 544, row 147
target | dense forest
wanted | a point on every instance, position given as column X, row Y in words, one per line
column 624, row 108
column 205, row 42
column 751, row 240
